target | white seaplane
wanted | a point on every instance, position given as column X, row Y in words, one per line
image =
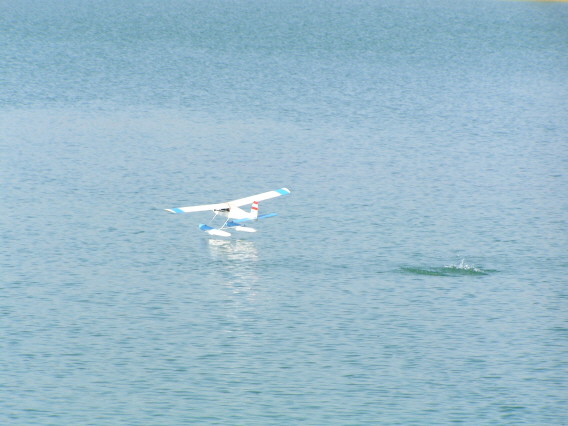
column 236, row 217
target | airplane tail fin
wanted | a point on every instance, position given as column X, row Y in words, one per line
column 254, row 210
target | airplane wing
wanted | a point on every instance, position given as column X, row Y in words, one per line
column 259, row 197
column 235, row 203
column 203, row 208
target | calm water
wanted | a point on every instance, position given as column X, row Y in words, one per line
column 415, row 275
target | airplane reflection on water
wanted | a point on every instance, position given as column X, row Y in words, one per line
column 243, row 250
column 237, row 259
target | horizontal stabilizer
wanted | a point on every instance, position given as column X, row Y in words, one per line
column 267, row 215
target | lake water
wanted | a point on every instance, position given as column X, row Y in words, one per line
column 417, row 273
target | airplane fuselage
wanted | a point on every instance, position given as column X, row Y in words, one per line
column 234, row 212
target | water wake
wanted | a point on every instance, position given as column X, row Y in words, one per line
column 448, row 270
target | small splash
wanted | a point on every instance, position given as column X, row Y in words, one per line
column 445, row 271
column 465, row 268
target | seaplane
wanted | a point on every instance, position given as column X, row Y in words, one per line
column 236, row 217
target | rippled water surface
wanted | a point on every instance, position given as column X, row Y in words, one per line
column 415, row 275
